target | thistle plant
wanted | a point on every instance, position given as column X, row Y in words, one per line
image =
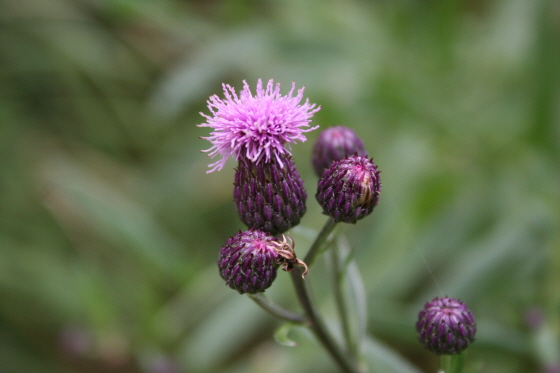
column 257, row 130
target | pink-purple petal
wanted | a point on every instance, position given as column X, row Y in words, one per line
column 257, row 127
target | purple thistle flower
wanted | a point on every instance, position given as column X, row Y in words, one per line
column 349, row 189
column 446, row 326
column 256, row 127
column 248, row 261
column 333, row 144
column 269, row 197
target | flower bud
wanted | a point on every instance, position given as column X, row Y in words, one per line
column 248, row 261
column 349, row 189
column 333, row 144
column 446, row 326
column 269, row 195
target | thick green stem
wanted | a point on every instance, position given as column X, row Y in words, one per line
column 321, row 238
column 451, row 363
column 275, row 310
column 318, row 326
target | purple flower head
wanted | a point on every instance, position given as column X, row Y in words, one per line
column 446, row 326
column 333, row 144
column 349, row 189
column 269, row 197
column 256, row 127
column 248, row 261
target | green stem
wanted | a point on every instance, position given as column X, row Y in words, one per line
column 275, row 310
column 451, row 363
column 338, row 278
column 321, row 238
column 318, row 326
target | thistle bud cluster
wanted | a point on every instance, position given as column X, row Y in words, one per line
column 268, row 193
column 270, row 197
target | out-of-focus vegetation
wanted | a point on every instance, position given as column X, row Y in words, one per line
column 110, row 228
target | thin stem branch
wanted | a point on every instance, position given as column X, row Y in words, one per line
column 275, row 310
column 318, row 326
column 321, row 238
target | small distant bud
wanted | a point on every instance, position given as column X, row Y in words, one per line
column 446, row 326
column 269, row 195
column 248, row 261
column 349, row 189
column 333, row 144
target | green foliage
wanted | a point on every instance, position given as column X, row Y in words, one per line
column 110, row 228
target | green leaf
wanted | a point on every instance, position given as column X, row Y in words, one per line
column 281, row 335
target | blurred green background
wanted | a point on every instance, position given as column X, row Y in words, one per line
column 110, row 227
